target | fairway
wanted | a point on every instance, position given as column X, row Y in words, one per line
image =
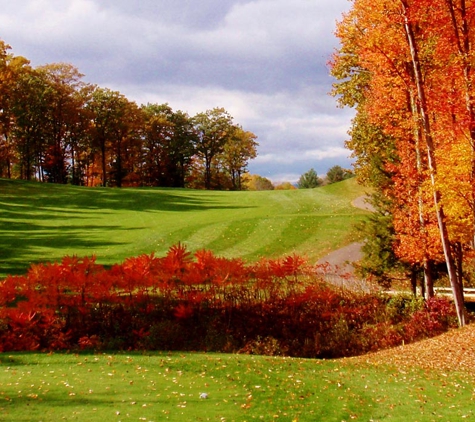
column 44, row 222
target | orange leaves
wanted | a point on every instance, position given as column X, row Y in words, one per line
column 407, row 67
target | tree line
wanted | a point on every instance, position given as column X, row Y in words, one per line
column 406, row 66
column 56, row 128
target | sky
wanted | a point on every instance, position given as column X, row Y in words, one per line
column 264, row 61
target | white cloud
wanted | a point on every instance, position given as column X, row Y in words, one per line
column 291, row 157
column 264, row 61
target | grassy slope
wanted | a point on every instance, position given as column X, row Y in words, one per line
column 42, row 222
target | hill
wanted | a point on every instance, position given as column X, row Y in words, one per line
column 43, row 222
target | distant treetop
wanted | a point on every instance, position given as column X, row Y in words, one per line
column 309, row 180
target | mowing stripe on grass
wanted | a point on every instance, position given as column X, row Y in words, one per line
column 266, row 231
column 44, row 222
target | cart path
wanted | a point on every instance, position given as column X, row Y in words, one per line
column 341, row 261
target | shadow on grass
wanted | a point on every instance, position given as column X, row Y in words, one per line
column 28, row 211
column 9, row 360
column 30, row 196
column 21, row 242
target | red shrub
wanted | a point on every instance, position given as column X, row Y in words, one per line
column 203, row 302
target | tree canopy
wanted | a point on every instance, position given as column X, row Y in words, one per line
column 337, row 174
column 406, row 66
column 309, row 180
column 56, row 128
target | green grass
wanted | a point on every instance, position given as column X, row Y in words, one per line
column 159, row 387
column 44, row 222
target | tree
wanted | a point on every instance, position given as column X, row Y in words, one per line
column 30, row 129
column 285, row 186
column 116, row 122
column 256, row 182
column 214, row 128
column 80, row 145
column 413, row 86
column 168, row 145
column 63, row 107
column 157, row 131
column 180, row 149
column 238, row 150
column 10, row 69
column 337, row 174
column 309, row 180
column 56, row 128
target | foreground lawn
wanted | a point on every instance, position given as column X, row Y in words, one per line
column 135, row 387
column 44, row 222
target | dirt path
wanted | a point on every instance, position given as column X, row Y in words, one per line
column 344, row 257
column 341, row 261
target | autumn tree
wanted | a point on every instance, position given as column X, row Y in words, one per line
column 10, row 67
column 238, row 150
column 56, row 128
column 214, row 128
column 285, row 186
column 79, row 143
column 403, row 52
column 116, row 122
column 257, row 182
column 30, row 129
column 63, row 107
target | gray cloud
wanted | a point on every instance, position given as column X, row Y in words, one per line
column 263, row 60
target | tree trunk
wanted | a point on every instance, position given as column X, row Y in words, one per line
column 103, row 162
column 428, row 281
column 418, row 79
column 428, row 285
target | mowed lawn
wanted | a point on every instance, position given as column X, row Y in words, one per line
column 44, row 222
column 167, row 387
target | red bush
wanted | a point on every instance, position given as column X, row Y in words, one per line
column 203, row 302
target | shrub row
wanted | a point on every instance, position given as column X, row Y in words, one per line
column 202, row 302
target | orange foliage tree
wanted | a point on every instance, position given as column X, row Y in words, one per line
column 416, row 58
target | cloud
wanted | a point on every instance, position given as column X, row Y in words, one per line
column 265, row 61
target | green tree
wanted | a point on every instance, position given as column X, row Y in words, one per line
column 309, row 180
column 214, row 128
column 168, row 145
column 180, row 149
column 337, row 174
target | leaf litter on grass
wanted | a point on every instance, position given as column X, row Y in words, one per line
column 451, row 351
column 157, row 386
